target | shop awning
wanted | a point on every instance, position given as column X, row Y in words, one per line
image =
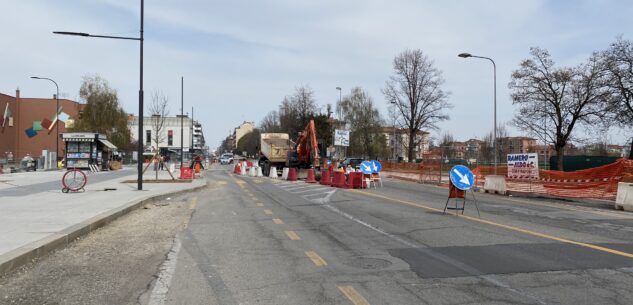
column 108, row 144
column 78, row 140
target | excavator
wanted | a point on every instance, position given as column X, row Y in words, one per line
column 306, row 152
column 276, row 149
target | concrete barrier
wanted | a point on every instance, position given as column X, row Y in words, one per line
column 624, row 198
column 495, row 184
column 259, row 172
column 284, row 173
column 273, row 172
column 252, row 171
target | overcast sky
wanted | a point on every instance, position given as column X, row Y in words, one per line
column 240, row 58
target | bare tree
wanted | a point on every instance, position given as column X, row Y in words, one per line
column 554, row 101
column 415, row 90
column 618, row 63
column 357, row 109
column 487, row 150
column 270, row 122
column 296, row 110
column 158, row 110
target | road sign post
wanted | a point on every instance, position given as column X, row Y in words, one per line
column 461, row 180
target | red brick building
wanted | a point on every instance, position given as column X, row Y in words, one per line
column 27, row 125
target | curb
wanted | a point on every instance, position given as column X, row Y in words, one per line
column 21, row 256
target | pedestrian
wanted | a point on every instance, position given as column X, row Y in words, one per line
column 161, row 163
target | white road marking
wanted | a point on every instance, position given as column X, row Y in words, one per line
column 167, row 270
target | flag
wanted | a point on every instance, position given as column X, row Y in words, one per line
column 6, row 115
column 30, row 132
column 54, row 120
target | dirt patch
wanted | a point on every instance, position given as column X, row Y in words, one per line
column 113, row 265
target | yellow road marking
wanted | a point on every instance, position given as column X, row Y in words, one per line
column 193, row 203
column 316, row 259
column 222, row 182
column 353, row 295
column 508, row 227
column 268, row 212
column 571, row 208
column 278, row 221
column 259, row 204
column 293, row 235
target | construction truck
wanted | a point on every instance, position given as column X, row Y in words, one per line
column 276, row 149
column 273, row 151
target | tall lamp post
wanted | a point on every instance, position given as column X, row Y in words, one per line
column 56, row 116
column 394, row 132
column 494, row 67
column 340, row 97
column 140, row 91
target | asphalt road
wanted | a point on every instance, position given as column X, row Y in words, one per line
column 260, row 241
column 56, row 185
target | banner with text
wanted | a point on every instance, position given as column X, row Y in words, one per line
column 341, row 137
column 523, row 166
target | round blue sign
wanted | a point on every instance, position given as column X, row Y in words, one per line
column 462, row 178
column 329, row 162
column 376, row 166
column 366, row 167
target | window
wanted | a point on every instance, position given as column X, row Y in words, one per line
column 148, row 137
column 170, row 137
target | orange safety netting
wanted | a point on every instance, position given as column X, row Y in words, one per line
column 598, row 183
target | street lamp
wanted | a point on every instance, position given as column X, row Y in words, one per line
column 56, row 116
column 140, row 92
column 340, row 98
column 394, row 132
column 494, row 67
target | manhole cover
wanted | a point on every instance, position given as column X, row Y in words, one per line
column 368, row 263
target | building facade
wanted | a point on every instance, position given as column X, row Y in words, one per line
column 169, row 135
column 398, row 142
column 29, row 126
column 242, row 130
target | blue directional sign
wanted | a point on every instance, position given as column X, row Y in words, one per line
column 462, row 178
column 375, row 166
column 366, row 167
column 329, row 162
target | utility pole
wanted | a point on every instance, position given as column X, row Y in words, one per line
column 182, row 109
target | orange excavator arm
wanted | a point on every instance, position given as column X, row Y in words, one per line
column 308, row 136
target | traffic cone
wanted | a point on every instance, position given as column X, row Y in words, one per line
column 236, row 169
column 311, row 178
column 292, row 174
column 326, row 179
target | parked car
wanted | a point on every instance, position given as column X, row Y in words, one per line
column 226, row 159
column 354, row 162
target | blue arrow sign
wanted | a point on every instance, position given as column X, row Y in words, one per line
column 365, row 167
column 329, row 162
column 376, row 166
column 461, row 177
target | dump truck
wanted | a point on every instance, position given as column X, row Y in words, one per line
column 276, row 149
column 273, row 151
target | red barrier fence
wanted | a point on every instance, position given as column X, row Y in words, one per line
column 598, row 183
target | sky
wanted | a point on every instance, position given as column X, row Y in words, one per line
column 240, row 58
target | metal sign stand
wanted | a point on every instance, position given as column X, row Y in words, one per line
column 456, row 194
column 461, row 180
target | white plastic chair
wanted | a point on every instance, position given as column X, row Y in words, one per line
column 376, row 177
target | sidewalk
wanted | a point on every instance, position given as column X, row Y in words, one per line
column 37, row 220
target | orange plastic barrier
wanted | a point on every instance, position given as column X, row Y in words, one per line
column 311, row 178
column 292, row 174
column 326, row 178
column 186, row 173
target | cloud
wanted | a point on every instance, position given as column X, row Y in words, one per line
column 240, row 58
